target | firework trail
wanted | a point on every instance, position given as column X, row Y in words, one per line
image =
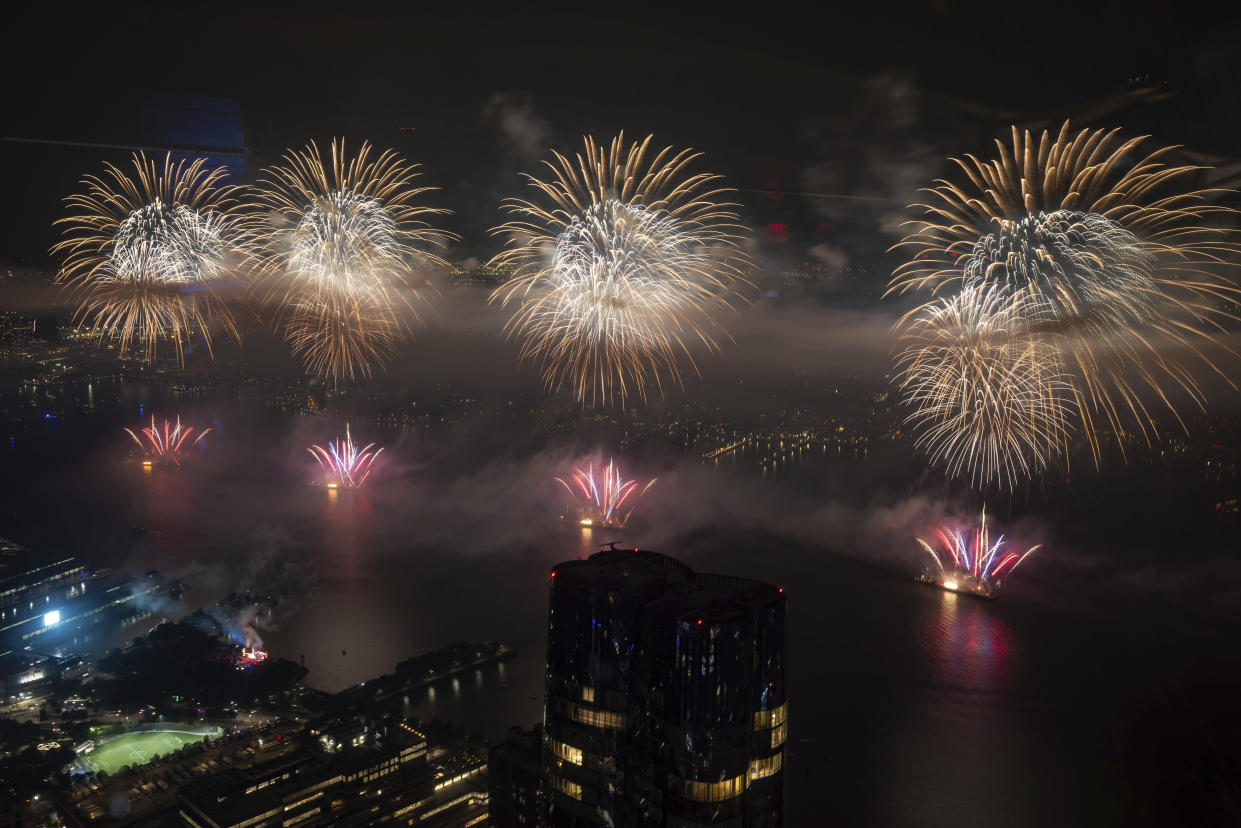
column 974, row 555
column 608, row 502
column 143, row 256
column 348, row 464
column 1120, row 260
column 343, row 244
column 621, row 264
column 989, row 399
column 166, row 444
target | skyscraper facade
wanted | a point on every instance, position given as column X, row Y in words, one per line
column 665, row 697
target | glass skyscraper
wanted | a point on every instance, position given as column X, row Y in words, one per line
column 665, row 698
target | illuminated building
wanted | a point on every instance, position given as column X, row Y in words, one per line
column 665, row 697
column 46, row 603
column 353, row 772
column 23, row 672
column 33, row 592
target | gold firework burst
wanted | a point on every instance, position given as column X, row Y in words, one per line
column 989, row 398
column 345, row 250
column 145, row 256
column 625, row 260
column 1124, row 263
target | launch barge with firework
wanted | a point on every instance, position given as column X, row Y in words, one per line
column 163, row 447
column 972, row 568
column 346, row 464
column 601, row 504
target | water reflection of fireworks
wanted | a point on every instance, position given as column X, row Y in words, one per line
column 970, row 644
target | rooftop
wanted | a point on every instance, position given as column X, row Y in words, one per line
column 685, row 593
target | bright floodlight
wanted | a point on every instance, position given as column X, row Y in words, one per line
column 50, row 618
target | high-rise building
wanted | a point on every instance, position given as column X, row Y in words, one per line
column 514, row 779
column 665, row 696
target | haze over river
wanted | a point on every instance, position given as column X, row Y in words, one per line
column 908, row 705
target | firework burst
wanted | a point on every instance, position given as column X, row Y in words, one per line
column 622, row 263
column 166, row 444
column 1120, row 261
column 606, row 502
column 972, row 560
column 344, row 244
column 347, row 465
column 988, row 397
column 143, row 256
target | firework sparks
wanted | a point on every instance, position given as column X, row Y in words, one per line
column 623, row 266
column 166, row 444
column 343, row 250
column 988, row 398
column 144, row 256
column 347, row 465
column 1121, row 263
column 606, row 502
column 972, row 560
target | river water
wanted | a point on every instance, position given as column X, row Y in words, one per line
column 908, row 705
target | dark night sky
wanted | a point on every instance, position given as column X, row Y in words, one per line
column 767, row 91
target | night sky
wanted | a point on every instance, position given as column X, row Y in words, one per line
column 861, row 100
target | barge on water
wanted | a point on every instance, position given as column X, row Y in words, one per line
column 961, row 582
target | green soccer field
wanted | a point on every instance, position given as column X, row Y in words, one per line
column 136, row 749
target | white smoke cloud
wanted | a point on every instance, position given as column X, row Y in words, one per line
column 833, row 258
column 524, row 133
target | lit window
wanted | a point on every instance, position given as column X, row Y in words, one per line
column 766, row 719
column 604, row 719
column 566, row 752
column 709, row 791
column 601, row 718
column 762, row 768
column 566, row 787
